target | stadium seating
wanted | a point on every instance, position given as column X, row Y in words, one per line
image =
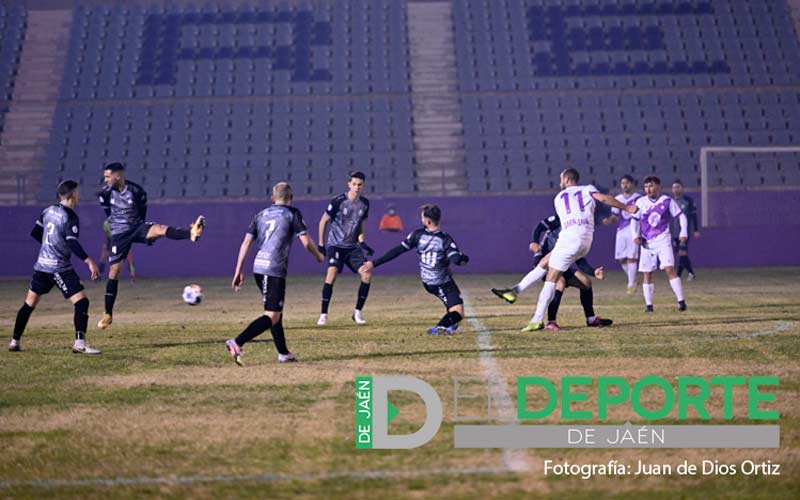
column 221, row 100
column 218, row 102
column 12, row 29
column 623, row 87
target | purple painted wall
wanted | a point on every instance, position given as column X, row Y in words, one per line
column 493, row 230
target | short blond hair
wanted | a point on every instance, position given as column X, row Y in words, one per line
column 282, row 191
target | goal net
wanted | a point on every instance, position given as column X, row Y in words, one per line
column 749, row 186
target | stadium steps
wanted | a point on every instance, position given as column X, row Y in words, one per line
column 26, row 134
column 438, row 131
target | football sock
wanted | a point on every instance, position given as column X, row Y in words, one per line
column 587, row 301
column 253, row 330
column 677, row 287
column 23, row 315
column 545, row 296
column 279, row 338
column 327, row 292
column 111, row 295
column 631, row 271
column 687, row 264
column 81, row 318
column 176, row 233
column 552, row 309
column 449, row 319
column 363, row 291
column 532, row 277
column 648, row 289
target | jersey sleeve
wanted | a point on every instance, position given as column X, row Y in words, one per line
column 411, row 240
column 674, row 208
column 450, row 247
column 333, row 207
column 298, row 224
column 141, row 202
column 72, row 228
column 105, row 201
column 589, row 189
column 252, row 229
column 366, row 209
column 638, row 214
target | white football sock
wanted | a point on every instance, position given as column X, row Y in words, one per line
column 648, row 289
column 631, row 270
column 532, row 277
column 677, row 287
column 545, row 296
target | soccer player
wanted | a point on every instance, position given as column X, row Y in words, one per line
column 544, row 239
column 575, row 206
column 57, row 229
column 436, row 250
column 345, row 243
column 273, row 230
column 690, row 210
column 125, row 204
column 106, row 251
column 650, row 229
column 625, row 251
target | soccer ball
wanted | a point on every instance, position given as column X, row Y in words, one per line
column 192, row 294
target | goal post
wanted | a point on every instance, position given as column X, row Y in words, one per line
column 704, row 173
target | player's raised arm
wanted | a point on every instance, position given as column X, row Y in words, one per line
column 37, row 233
column 238, row 275
column 613, row 202
column 311, row 247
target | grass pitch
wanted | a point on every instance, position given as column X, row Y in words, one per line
column 164, row 411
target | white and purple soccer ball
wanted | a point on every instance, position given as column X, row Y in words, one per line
column 192, row 294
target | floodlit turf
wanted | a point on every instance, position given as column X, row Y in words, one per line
column 164, row 411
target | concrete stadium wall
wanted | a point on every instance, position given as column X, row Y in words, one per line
column 750, row 229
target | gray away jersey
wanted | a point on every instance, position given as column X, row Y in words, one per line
column 125, row 209
column 346, row 217
column 59, row 224
column 273, row 229
column 434, row 250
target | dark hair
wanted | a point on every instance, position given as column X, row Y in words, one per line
column 571, row 174
column 66, row 188
column 432, row 212
column 653, row 179
column 677, row 181
column 628, row 178
column 115, row 167
column 358, row 175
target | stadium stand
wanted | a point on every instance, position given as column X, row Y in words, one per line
column 221, row 99
column 215, row 102
column 625, row 87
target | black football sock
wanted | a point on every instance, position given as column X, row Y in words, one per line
column 279, row 337
column 23, row 315
column 363, row 291
column 681, row 259
column 253, row 330
column 176, row 233
column 552, row 309
column 327, row 293
column 111, row 295
column 587, row 301
column 449, row 319
column 81, row 318
column 687, row 264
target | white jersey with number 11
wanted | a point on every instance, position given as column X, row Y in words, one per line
column 575, row 207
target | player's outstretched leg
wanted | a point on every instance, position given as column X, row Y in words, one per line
column 81, row 321
column 363, row 292
column 253, row 330
column 587, row 301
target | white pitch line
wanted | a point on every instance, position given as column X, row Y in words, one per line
column 514, row 460
column 259, row 478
